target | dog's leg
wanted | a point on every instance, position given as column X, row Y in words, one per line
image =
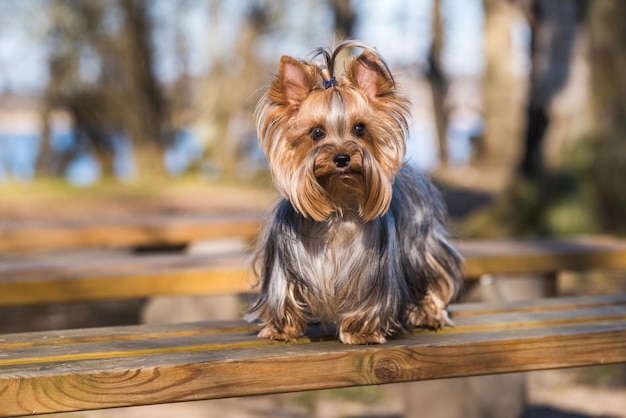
column 375, row 337
column 289, row 327
column 283, row 332
column 360, row 330
column 284, row 320
column 431, row 313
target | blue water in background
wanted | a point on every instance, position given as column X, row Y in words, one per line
column 19, row 152
column 18, row 155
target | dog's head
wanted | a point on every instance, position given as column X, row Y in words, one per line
column 334, row 143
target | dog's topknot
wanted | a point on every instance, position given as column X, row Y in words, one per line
column 326, row 65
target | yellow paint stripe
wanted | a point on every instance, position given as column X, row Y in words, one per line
column 530, row 323
column 125, row 337
column 60, row 358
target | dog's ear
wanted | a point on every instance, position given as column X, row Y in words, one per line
column 294, row 82
column 370, row 74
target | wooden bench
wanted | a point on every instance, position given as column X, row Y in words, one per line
column 73, row 370
column 134, row 231
column 151, row 364
column 61, row 279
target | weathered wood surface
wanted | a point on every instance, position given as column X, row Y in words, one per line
column 151, row 230
column 543, row 255
column 137, row 365
column 52, row 281
column 70, row 279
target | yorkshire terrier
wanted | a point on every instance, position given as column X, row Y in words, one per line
column 359, row 239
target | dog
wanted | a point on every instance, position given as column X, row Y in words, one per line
column 359, row 238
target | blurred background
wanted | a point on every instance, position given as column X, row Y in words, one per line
column 521, row 103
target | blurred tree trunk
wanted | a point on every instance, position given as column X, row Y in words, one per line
column 438, row 84
column 145, row 114
column 499, row 147
column 181, row 93
column 554, row 25
column 45, row 166
column 345, row 18
column 95, row 114
column 62, row 66
column 607, row 30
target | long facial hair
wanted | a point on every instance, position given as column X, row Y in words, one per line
column 310, row 116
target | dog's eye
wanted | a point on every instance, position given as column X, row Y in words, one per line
column 317, row 133
column 358, row 130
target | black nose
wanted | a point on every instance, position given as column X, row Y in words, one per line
column 341, row 160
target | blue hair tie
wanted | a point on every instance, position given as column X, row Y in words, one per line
column 330, row 83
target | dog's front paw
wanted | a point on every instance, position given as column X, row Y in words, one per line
column 431, row 314
column 362, row 338
column 287, row 334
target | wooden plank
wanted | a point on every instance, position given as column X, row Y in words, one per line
column 56, row 281
column 132, row 341
column 66, row 280
column 459, row 312
column 111, row 367
column 17, row 236
column 541, row 256
column 540, row 305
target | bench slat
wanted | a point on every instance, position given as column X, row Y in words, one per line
column 171, row 341
column 459, row 312
column 23, row 282
column 545, row 255
column 110, row 367
column 52, row 281
column 17, row 236
column 544, row 304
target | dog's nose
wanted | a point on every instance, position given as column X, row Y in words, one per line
column 341, row 160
